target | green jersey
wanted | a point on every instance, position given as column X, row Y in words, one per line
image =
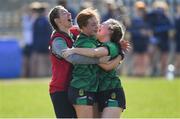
column 85, row 75
column 109, row 79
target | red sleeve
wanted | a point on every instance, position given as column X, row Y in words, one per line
column 75, row 30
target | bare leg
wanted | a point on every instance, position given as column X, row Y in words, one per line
column 112, row 112
column 84, row 111
column 145, row 64
column 177, row 64
column 97, row 113
column 164, row 63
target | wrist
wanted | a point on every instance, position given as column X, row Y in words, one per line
column 121, row 52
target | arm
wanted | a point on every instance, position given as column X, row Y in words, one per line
column 90, row 52
column 80, row 59
column 111, row 64
column 59, row 45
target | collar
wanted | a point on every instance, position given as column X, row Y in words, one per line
column 84, row 35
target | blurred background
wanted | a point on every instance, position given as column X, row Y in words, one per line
column 152, row 27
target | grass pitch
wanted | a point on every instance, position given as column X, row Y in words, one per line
column 146, row 98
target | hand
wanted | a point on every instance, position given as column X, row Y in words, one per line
column 67, row 52
column 104, row 59
column 125, row 45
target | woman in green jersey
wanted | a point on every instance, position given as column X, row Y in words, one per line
column 85, row 81
column 109, row 92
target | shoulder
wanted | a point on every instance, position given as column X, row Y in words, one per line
column 111, row 45
column 58, row 40
column 59, row 43
column 57, row 37
column 56, row 34
column 112, row 48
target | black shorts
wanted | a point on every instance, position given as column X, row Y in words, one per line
column 140, row 49
column 81, row 97
column 111, row 98
column 62, row 106
column 164, row 47
column 27, row 50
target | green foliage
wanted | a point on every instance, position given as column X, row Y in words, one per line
column 146, row 97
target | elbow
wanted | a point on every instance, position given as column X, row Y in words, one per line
column 70, row 59
column 93, row 55
column 96, row 53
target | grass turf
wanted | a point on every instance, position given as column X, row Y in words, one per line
column 146, row 97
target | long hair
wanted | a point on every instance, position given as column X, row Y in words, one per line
column 53, row 14
column 117, row 30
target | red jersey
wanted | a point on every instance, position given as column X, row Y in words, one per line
column 61, row 69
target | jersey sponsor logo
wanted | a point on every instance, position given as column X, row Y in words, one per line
column 113, row 95
column 81, row 92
